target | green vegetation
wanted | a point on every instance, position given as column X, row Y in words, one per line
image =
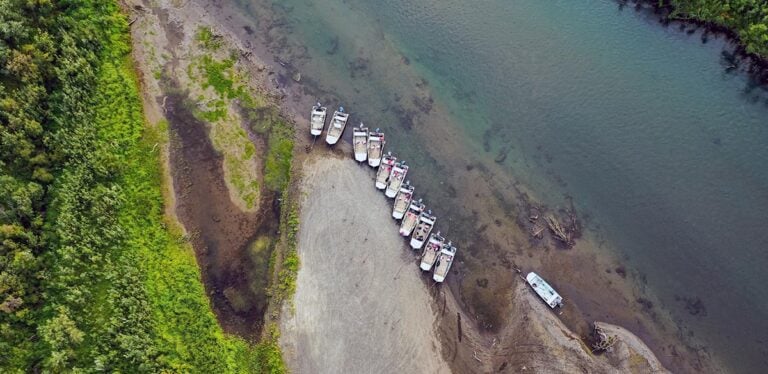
column 747, row 18
column 268, row 356
column 287, row 279
column 206, row 37
column 286, row 261
column 223, row 88
column 222, row 77
column 91, row 277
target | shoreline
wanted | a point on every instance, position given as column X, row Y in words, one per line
column 757, row 64
column 294, row 98
column 331, row 300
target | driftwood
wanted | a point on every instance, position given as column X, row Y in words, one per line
column 537, row 231
column 603, row 341
column 557, row 229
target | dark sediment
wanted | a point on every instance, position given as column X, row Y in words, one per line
column 234, row 274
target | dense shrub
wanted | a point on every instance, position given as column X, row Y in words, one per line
column 747, row 18
column 91, row 278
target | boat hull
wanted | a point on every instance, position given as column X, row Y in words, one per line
column 440, row 273
column 374, row 162
column 544, row 290
column 360, row 157
column 317, row 120
column 440, row 278
column 391, row 192
column 382, row 177
column 337, row 126
column 426, row 266
column 398, row 215
column 331, row 140
column 406, row 228
column 396, row 180
column 416, row 244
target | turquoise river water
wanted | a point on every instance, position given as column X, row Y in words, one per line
column 642, row 125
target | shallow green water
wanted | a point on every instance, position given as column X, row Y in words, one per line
column 642, row 125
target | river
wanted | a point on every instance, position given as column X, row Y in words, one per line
column 661, row 147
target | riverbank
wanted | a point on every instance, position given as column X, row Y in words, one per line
column 227, row 155
column 744, row 25
column 412, row 90
column 360, row 291
column 493, row 244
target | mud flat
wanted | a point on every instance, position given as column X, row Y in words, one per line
column 360, row 305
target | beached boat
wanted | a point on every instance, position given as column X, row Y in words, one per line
column 444, row 262
column 385, row 169
column 396, row 178
column 402, row 201
column 411, row 217
column 431, row 250
column 317, row 119
column 375, row 147
column 336, row 128
column 544, row 290
column 360, row 142
column 420, row 234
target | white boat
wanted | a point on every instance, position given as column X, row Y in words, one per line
column 444, row 262
column 431, row 250
column 317, row 119
column 385, row 169
column 411, row 217
column 396, row 179
column 402, row 201
column 544, row 290
column 360, row 142
column 420, row 234
column 336, row 128
column 375, row 147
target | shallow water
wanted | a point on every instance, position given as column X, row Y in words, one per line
column 661, row 146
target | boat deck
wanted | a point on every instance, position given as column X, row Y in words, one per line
column 443, row 265
column 360, row 144
column 401, row 204
column 409, row 222
column 374, row 149
column 382, row 175
column 422, row 230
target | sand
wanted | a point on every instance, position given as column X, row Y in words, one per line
column 360, row 305
column 363, row 306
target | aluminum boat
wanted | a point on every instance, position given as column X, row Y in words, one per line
column 431, row 251
column 360, row 142
column 336, row 128
column 423, row 228
column 444, row 262
column 317, row 119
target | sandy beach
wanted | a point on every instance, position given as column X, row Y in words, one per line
column 360, row 306
column 363, row 306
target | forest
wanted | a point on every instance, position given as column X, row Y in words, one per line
column 748, row 19
column 92, row 277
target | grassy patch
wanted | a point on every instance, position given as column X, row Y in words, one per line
column 286, row 261
column 207, row 39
